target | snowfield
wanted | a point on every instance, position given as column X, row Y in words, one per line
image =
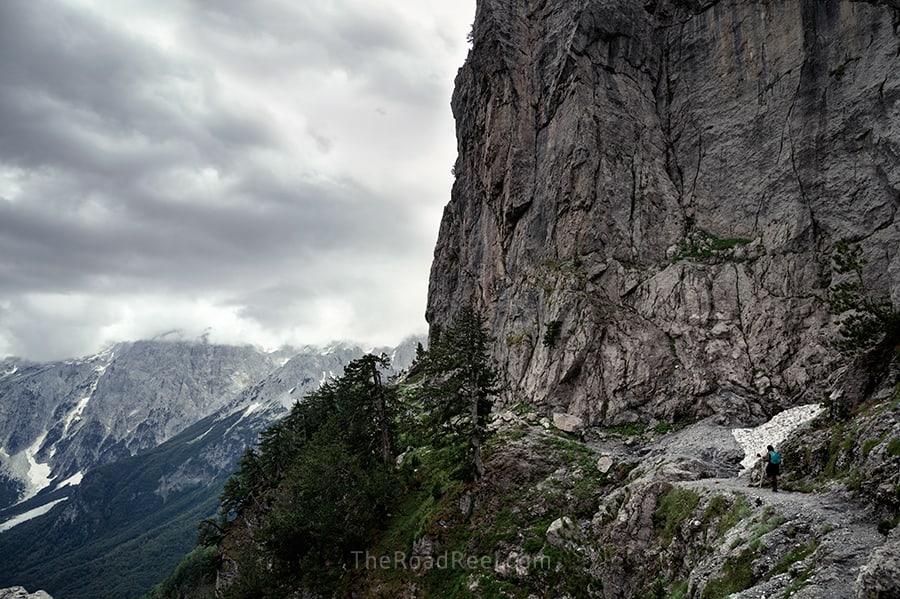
column 773, row 432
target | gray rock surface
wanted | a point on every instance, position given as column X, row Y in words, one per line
column 821, row 545
column 561, row 531
column 567, row 422
column 880, row 577
column 648, row 195
column 21, row 593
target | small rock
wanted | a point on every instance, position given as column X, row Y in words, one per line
column 423, row 547
column 560, row 531
column 465, row 502
column 604, row 464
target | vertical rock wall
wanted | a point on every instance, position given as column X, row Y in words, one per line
column 648, row 194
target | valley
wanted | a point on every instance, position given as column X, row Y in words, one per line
column 129, row 497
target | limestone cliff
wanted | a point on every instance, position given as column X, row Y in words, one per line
column 648, row 195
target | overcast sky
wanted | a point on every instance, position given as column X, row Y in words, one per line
column 264, row 171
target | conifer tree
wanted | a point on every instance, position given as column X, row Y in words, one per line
column 362, row 377
column 315, row 489
column 461, row 381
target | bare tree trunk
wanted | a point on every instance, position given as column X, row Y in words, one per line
column 475, row 438
column 387, row 445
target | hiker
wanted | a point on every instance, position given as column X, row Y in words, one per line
column 772, row 460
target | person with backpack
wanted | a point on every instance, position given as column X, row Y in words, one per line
column 772, row 459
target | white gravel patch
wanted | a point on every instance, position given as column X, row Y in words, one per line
column 773, row 432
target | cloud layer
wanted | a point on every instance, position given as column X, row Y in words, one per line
column 268, row 172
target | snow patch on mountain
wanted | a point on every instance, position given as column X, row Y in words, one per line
column 200, row 436
column 29, row 515
column 76, row 414
column 774, row 432
column 39, row 476
column 73, row 480
column 23, row 466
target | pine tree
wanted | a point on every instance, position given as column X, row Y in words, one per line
column 362, row 380
column 316, row 488
column 461, row 381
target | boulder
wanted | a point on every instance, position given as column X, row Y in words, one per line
column 562, row 531
column 568, row 423
column 880, row 577
column 604, row 464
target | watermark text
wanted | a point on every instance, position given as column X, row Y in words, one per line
column 451, row 560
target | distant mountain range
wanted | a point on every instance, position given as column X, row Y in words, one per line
column 107, row 463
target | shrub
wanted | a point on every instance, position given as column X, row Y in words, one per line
column 551, row 335
column 893, row 447
column 673, row 508
column 737, row 575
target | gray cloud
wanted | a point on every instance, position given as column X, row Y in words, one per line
column 218, row 172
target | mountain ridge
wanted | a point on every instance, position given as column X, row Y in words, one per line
column 147, row 505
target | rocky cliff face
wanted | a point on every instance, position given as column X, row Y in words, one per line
column 648, row 195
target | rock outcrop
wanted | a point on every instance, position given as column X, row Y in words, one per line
column 648, row 195
column 22, row 593
column 879, row 578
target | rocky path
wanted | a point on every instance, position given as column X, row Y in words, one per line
column 843, row 529
column 829, row 538
column 832, row 507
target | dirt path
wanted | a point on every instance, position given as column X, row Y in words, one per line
column 830, row 507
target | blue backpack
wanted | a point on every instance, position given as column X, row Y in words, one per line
column 774, row 457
